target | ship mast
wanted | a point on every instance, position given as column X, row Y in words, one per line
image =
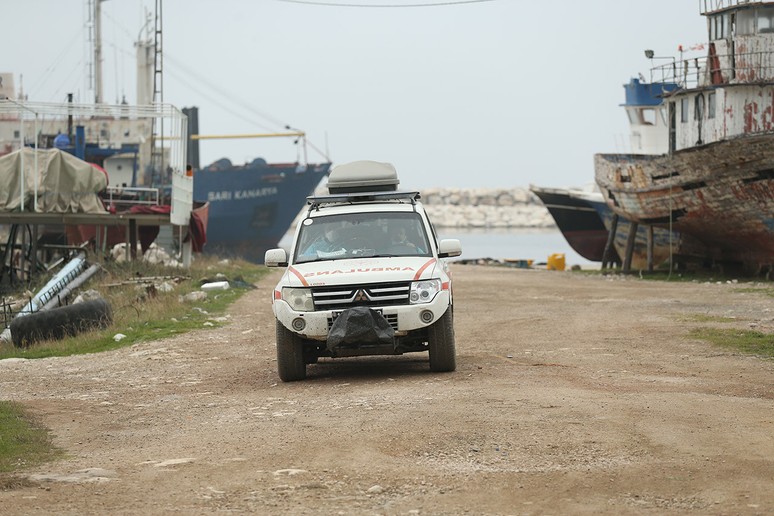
column 94, row 26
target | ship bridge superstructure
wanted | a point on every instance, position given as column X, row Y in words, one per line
column 729, row 91
column 647, row 113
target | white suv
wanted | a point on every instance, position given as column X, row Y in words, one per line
column 365, row 276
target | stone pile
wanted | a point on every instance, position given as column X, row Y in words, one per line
column 485, row 208
column 476, row 208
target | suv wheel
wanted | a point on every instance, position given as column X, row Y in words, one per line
column 291, row 365
column 441, row 344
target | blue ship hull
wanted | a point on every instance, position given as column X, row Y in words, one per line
column 251, row 207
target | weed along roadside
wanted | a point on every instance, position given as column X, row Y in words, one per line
column 146, row 302
column 24, row 443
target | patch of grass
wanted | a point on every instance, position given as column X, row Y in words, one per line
column 685, row 276
column 23, row 443
column 746, row 341
column 766, row 291
column 143, row 312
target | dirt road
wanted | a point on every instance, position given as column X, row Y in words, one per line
column 573, row 394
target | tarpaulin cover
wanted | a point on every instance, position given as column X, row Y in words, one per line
column 65, row 184
column 360, row 325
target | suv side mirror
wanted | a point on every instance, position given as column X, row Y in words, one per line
column 449, row 247
column 275, row 258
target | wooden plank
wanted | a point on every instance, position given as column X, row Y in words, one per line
column 606, row 260
column 132, row 239
column 650, row 248
column 627, row 265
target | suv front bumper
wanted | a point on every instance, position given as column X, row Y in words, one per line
column 402, row 318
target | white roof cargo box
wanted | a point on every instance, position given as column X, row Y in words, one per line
column 363, row 176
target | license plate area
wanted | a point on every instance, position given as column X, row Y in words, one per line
column 392, row 318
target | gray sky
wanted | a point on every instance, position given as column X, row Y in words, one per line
column 492, row 94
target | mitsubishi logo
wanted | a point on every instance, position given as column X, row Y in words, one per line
column 361, row 295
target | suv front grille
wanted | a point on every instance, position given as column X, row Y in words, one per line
column 341, row 298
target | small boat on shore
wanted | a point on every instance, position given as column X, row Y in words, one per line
column 580, row 224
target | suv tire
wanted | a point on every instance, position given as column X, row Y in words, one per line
column 440, row 344
column 291, row 365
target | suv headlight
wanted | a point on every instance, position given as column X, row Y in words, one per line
column 424, row 291
column 299, row 299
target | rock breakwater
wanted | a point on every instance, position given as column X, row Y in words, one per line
column 485, row 208
column 476, row 208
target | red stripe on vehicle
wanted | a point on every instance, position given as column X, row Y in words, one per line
column 422, row 269
column 299, row 276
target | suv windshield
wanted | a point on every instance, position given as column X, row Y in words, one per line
column 357, row 235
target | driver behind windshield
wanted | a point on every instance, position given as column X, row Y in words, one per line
column 399, row 237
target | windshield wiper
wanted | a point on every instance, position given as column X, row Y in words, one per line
column 313, row 260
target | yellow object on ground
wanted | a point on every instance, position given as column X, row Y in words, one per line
column 556, row 262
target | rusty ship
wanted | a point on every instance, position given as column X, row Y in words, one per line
column 702, row 135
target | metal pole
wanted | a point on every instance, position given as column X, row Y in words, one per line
column 98, row 52
column 35, row 175
column 21, row 169
column 21, row 149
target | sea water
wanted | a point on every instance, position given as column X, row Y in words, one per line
column 514, row 243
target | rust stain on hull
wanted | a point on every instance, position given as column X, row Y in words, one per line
column 722, row 194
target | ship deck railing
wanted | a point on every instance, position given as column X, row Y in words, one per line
column 711, row 6
column 748, row 68
column 132, row 196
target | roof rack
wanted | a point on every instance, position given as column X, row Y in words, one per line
column 316, row 201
